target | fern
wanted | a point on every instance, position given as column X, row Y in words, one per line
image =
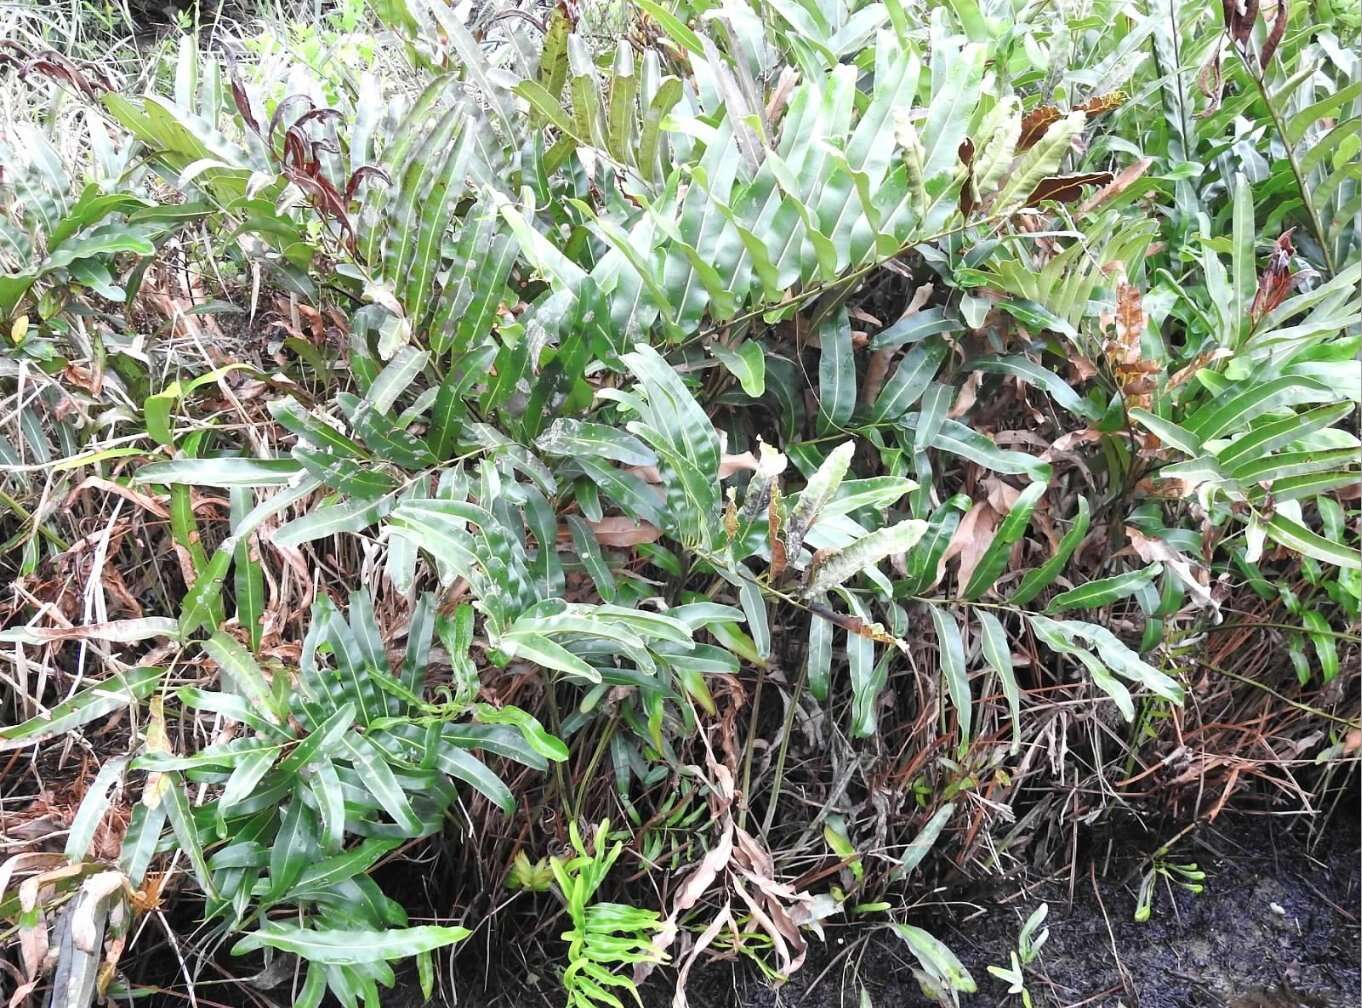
column 603, row 936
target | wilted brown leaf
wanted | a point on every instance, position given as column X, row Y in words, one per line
column 780, row 94
column 1152, row 550
column 1001, row 496
column 1124, row 179
column 731, row 515
column 705, row 939
column 1274, row 36
column 1133, row 372
column 1240, row 16
column 1211, row 81
column 858, row 626
column 1070, row 441
column 1275, row 283
column 1203, row 359
column 240, row 97
column 1130, row 322
column 967, row 197
column 1035, row 123
column 89, row 379
column 621, row 532
column 964, row 400
column 971, row 539
column 56, row 66
column 1081, row 369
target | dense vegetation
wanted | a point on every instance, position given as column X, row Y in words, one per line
column 668, row 475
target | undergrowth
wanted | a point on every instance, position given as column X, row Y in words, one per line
column 621, row 484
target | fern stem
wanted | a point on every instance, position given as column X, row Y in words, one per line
column 1256, row 74
column 597, row 752
column 785, row 732
column 747, row 747
column 25, row 518
column 556, row 726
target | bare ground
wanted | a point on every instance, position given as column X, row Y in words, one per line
column 1276, row 927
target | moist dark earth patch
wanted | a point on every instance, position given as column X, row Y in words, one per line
column 1276, row 927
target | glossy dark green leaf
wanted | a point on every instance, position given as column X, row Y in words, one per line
column 998, row 653
column 915, row 328
column 836, row 371
column 241, row 671
column 348, row 947
column 1104, row 591
column 327, row 872
column 204, row 598
column 999, row 550
column 248, row 576
column 747, row 363
column 294, row 848
column 951, row 657
column 175, row 800
column 819, row 656
column 1032, row 373
column 85, row 706
column 910, row 380
column 1035, row 581
column 354, row 478
column 473, row 771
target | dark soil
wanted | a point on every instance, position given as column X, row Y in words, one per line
column 1276, row 927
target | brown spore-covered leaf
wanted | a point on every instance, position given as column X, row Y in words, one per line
column 1035, row 123
column 774, row 523
column 1066, row 188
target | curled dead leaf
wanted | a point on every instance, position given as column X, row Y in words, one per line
column 968, row 200
column 1124, row 351
column 1240, row 16
column 621, row 532
column 1068, row 442
column 971, row 539
column 965, row 398
column 1274, row 36
column 858, row 626
column 1275, row 282
column 1211, row 81
column 1201, row 360
column 1152, row 550
column 1124, row 179
column 1001, row 496
column 142, row 500
column 1107, row 102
